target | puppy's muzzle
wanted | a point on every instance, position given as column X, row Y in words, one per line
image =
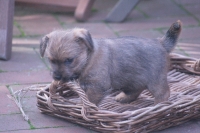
column 57, row 76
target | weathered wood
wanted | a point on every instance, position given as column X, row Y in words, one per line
column 50, row 5
column 121, row 10
column 67, row 3
column 83, row 9
column 6, row 27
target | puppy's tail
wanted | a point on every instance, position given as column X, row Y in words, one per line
column 169, row 40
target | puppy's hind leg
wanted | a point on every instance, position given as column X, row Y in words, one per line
column 160, row 91
column 94, row 95
column 127, row 96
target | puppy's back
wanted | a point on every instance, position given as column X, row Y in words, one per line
column 134, row 60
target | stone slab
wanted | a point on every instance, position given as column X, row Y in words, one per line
column 193, row 8
column 145, row 34
column 97, row 30
column 189, row 127
column 26, row 42
column 29, row 104
column 186, row 2
column 37, row 24
column 23, row 59
column 76, row 129
column 152, row 23
column 9, row 78
column 158, row 8
column 39, row 120
column 17, row 87
column 191, row 41
column 12, row 122
column 16, row 32
column 7, row 106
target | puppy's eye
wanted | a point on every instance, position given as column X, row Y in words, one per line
column 78, row 40
column 68, row 61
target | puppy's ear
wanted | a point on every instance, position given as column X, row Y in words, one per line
column 83, row 36
column 43, row 45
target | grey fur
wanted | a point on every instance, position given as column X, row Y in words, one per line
column 129, row 64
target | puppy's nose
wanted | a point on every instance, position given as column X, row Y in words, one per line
column 57, row 76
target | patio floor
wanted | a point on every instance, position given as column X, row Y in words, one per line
column 151, row 19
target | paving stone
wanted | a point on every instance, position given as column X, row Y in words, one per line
column 186, row 2
column 41, row 24
column 57, row 130
column 12, row 122
column 97, row 30
column 101, row 10
column 19, row 87
column 26, row 42
column 198, row 16
column 189, row 127
column 194, row 54
column 192, row 41
column 45, row 59
column 101, row 6
column 178, row 51
column 7, row 106
column 157, row 8
column 98, row 16
column 135, row 14
column 16, row 32
column 28, row 101
column 191, row 33
column 152, row 23
column 191, row 49
column 23, row 59
column 39, row 120
column 186, row 21
column 189, row 46
column 65, row 19
column 24, row 9
column 193, row 9
column 8, row 78
column 146, row 34
column 30, row 104
column 198, row 121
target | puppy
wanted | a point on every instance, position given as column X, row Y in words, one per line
column 129, row 64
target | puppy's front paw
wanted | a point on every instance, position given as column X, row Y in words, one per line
column 122, row 98
column 53, row 87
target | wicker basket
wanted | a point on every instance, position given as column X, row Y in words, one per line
column 71, row 103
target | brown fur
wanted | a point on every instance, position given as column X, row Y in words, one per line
column 129, row 64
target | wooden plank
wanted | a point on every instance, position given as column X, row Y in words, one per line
column 121, row 10
column 83, row 9
column 6, row 27
column 67, row 3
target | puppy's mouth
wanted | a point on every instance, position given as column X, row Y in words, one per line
column 67, row 79
column 74, row 77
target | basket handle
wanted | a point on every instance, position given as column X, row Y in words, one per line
column 74, row 86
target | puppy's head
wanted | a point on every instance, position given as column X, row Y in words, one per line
column 67, row 52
